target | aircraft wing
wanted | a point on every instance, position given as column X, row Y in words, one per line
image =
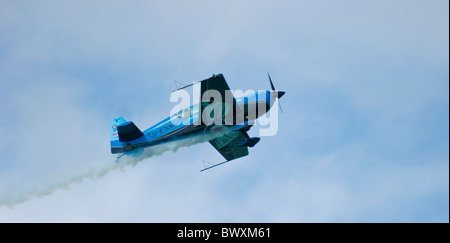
column 227, row 145
column 214, row 94
column 213, row 86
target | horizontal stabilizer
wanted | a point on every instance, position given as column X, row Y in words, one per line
column 128, row 132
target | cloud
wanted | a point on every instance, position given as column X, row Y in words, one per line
column 363, row 137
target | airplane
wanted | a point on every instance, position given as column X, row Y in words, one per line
column 226, row 132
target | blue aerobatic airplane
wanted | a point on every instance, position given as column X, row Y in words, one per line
column 224, row 123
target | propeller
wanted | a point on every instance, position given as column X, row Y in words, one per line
column 278, row 94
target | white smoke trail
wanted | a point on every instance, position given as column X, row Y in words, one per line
column 11, row 196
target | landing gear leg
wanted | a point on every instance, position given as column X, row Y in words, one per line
column 120, row 156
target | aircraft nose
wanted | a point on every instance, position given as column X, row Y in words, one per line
column 280, row 94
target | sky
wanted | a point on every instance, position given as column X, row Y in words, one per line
column 364, row 136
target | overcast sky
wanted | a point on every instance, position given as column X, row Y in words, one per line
column 364, row 136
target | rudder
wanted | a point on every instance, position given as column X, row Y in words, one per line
column 121, row 133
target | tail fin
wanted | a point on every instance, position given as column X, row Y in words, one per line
column 116, row 145
column 121, row 133
column 113, row 124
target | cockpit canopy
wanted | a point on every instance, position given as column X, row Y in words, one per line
column 188, row 112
